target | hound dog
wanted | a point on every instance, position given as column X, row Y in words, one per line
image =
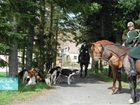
column 31, row 77
column 53, row 75
column 23, row 76
column 57, row 72
column 69, row 74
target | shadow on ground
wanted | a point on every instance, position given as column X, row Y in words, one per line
column 78, row 80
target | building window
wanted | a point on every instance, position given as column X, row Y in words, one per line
column 75, row 57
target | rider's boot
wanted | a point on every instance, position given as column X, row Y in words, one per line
column 132, row 67
column 78, row 59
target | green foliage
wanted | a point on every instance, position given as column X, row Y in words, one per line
column 7, row 97
column 137, row 23
column 24, row 92
column 3, row 63
column 95, row 7
column 3, row 47
column 2, row 74
column 35, row 88
column 130, row 9
column 75, row 15
column 128, row 4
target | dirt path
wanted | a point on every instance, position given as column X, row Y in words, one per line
column 88, row 91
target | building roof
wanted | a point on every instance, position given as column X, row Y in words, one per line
column 72, row 47
column 68, row 43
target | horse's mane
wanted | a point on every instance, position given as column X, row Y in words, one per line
column 116, row 49
column 104, row 42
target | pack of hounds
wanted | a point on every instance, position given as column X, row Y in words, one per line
column 54, row 75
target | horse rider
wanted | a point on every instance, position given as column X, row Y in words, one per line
column 133, row 41
column 84, row 48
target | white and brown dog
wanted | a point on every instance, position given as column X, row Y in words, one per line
column 31, row 77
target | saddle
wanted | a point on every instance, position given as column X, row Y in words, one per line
column 137, row 64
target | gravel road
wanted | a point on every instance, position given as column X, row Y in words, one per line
column 83, row 91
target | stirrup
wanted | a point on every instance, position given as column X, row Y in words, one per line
column 132, row 73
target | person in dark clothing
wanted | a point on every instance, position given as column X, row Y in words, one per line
column 133, row 41
column 84, row 48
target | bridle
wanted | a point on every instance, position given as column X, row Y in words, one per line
column 98, row 50
column 102, row 52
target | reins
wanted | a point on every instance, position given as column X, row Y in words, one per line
column 113, row 55
column 103, row 55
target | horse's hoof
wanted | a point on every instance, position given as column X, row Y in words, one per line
column 131, row 101
column 69, row 83
column 111, row 93
column 118, row 92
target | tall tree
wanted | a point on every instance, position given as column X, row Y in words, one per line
column 13, row 52
column 41, row 34
column 31, row 12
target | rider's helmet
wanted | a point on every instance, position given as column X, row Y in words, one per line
column 130, row 24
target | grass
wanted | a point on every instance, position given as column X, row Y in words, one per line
column 2, row 74
column 103, row 76
column 6, row 97
column 23, row 93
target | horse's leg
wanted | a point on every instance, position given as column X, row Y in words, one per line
column 51, row 79
column 86, row 68
column 81, row 69
column 109, row 72
column 119, row 80
column 114, row 72
column 132, row 82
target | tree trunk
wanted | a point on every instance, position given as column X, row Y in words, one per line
column 29, row 47
column 23, row 58
column 49, row 55
column 56, row 39
column 13, row 60
column 13, row 55
column 42, row 36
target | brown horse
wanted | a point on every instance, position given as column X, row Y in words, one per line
column 97, row 51
column 117, row 58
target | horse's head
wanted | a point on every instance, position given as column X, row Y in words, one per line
column 96, row 51
column 97, row 48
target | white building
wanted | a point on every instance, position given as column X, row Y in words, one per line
column 5, row 59
column 70, row 51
